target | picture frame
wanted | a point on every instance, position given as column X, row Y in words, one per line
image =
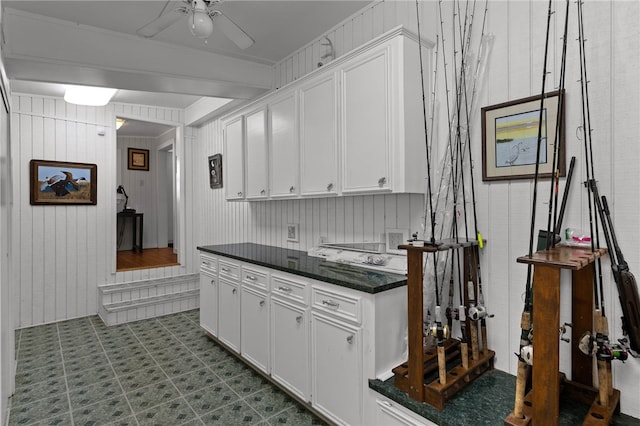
column 62, row 183
column 510, row 138
column 138, row 159
column 394, row 238
column 215, row 171
column 292, row 233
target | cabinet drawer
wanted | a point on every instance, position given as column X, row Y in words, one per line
column 255, row 278
column 295, row 291
column 338, row 304
column 208, row 264
column 229, row 270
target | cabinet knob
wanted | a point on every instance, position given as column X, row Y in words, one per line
column 350, row 339
column 240, row 194
column 329, row 187
column 299, row 319
column 213, row 282
column 262, row 192
column 234, row 291
column 262, row 303
column 382, row 181
column 292, row 189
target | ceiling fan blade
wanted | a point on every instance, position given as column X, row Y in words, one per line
column 161, row 23
column 233, row 31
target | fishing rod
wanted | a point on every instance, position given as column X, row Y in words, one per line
column 555, row 162
column 526, row 320
column 588, row 151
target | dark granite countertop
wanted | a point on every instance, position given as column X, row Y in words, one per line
column 299, row 263
column 486, row 401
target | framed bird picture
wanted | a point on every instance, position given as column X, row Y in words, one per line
column 515, row 132
column 59, row 182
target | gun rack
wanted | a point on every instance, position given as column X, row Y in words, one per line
column 542, row 402
column 434, row 374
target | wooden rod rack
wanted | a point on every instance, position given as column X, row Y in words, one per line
column 462, row 363
column 542, row 402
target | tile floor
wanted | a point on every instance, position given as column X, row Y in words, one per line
column 162, row 371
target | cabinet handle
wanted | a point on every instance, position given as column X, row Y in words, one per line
column 292, row 189
column 250, row 277
column 331, row 304
column 262, row 303
column 329, row 187
column 213, row 282
column 299, row 319
column 206, row 264
column 350, row 339
column 234, row 291
column 225, row 269
column 285, row 289
column 386, row 403
column 240, row 194
column 262, row 192
column 382, row 181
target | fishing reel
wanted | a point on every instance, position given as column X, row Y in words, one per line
column 439, row 331
column 602, row 348
column 478, row 313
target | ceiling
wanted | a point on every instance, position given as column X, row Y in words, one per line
column 48, row 44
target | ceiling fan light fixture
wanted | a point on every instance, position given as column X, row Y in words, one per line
column 200, row 24
column 87, row 95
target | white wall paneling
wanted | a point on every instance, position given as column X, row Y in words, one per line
column 62, row 253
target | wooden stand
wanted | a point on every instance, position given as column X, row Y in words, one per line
column 410, row 376
column 542, row 403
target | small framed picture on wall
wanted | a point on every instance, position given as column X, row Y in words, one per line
column 215, row 171
column 138, row 159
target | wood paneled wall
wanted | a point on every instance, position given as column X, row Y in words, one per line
column 62, row 253
column 514, row 71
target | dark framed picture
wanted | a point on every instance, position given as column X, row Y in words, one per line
column 138, row 159
column 58, row 182
column 510, row 138
column 215, row 171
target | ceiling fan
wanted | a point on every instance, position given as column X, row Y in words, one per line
column 201, row 17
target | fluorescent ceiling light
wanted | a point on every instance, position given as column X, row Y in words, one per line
column 86, row 95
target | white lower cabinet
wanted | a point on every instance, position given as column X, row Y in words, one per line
column 209, row 302
column 390, row 413
column 290, row 347
column 321, row 342
column 254, row 328
column 229, row 313
column 336, row 369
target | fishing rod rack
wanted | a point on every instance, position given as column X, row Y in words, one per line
column 433, row 374
column 541, row 405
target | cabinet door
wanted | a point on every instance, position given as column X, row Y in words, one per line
column 233, row 171
column 366, row 124
column 319, row 137
column 290, row 347
column 229, row 314
column 283, row 158
column 257, row 184
column 393, row 414
column 336, row 359
column 209, row 303
column 254, row 328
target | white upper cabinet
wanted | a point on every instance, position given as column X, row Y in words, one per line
column 283, row 158
column 366, row 123
column 233, row 170
column 354, row 126
column 319, row 137
column 256, row 157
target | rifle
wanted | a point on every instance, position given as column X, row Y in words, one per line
column 625, row 281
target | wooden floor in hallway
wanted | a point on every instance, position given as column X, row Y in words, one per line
column 129, row 260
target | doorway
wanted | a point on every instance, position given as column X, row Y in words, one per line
column 145, row 231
